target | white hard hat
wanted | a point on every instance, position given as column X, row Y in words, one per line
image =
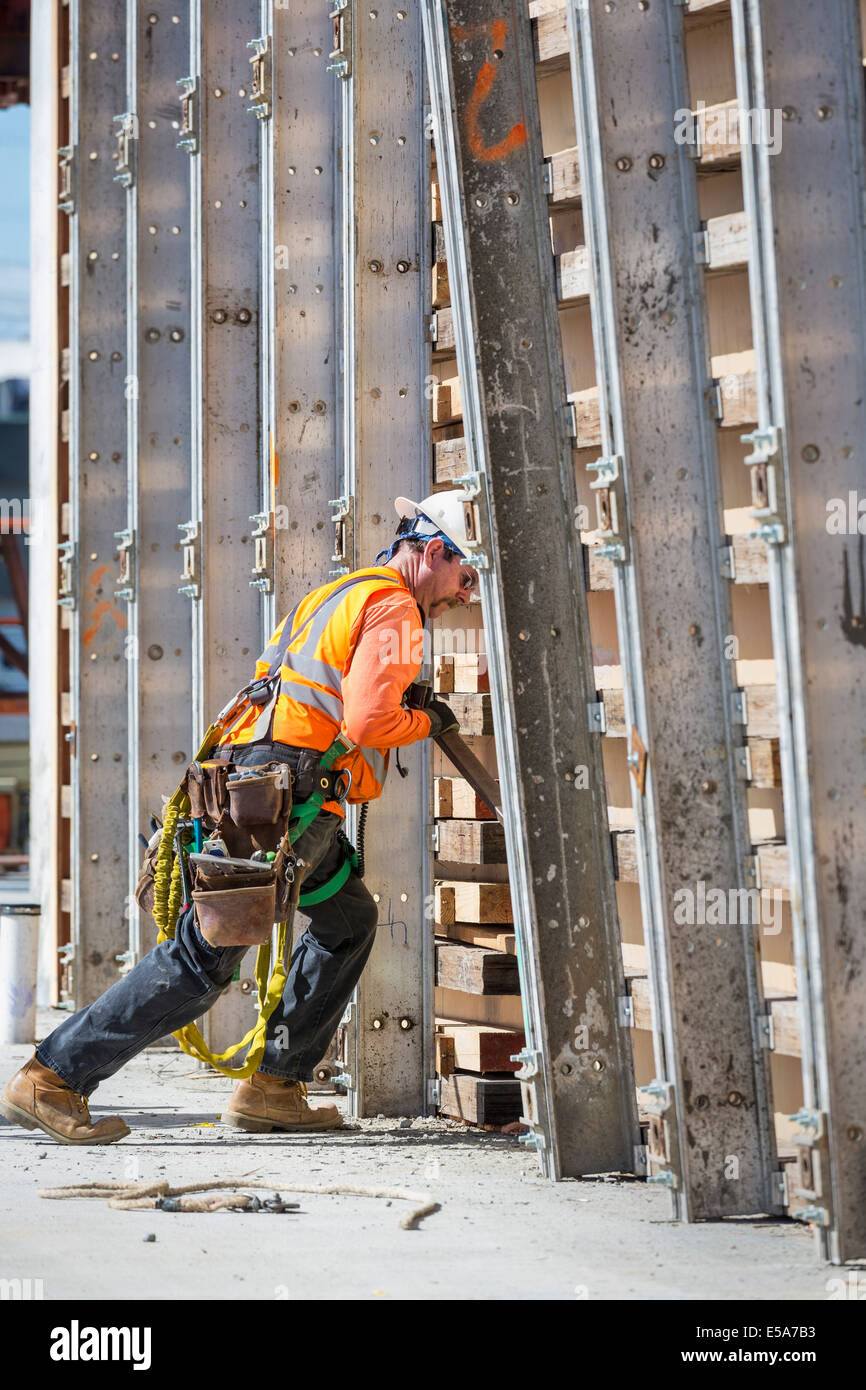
column 445, row 511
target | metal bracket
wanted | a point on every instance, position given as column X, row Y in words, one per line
column 715, row 401
column 476, row 519
column 739, row 711
column 126, row 961
column 263, row 560
column 66, row 586
column 530, row 1064
column 341, row 53
column 125, row 586
column 189, row 114
column 547, row 177
column 743, row 762
column 191, row 549
column 639, row 1162
column 608, row 486
column 766, row 445
column 779, row 1188
column 701, row 244
column 625, row 1011
column 752, row 870
column 596, row 717
column 260, row 82
column 767, row 1031
column 343, row 518
column 727, row 568
column 434, row 1092
column 125, row 131
column 433, row 838
column 66, row 191
column 813, row 1168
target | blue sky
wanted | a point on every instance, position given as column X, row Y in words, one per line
column 14, row 221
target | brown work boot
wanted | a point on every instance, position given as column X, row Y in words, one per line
column 263, row 1103
column 36, row 1098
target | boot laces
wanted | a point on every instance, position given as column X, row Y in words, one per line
column 82, row 1103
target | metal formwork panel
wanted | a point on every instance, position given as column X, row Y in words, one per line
column 157, row 386
column 578, row 1079
column 659, row 513
column 804, row 200
column 304, row 283
column 228, row 620
column 97, row 493
column 377, row 60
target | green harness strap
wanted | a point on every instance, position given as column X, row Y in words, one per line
column 302, row 818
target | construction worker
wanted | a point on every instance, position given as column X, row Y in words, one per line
column 352, row 649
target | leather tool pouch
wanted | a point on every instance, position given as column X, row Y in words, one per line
column 259, row 801
column 240, row 915
column 144, row 888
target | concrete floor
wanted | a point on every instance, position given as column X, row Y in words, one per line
column 502, row 1232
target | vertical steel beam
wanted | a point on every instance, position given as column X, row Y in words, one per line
column 658, row 502
column 804, row 191
column 377, row 60
column 578, row 1078
column 47, row 749
column 157, row 383
column 98, row 369
column 222, row 138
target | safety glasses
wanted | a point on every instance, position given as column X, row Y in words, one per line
column 469, row 578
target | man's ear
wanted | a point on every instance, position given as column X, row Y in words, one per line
column 434, row 549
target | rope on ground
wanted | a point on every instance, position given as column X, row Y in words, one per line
column 147, row 1196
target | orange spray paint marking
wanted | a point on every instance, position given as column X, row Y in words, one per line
column 102, row 607
column 516, row 136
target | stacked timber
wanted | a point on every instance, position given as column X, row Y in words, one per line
column 479, row 1015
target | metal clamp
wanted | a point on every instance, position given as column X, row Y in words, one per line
column 609, row 489
column 125, row 131
column 66, row 191
column 189, row 114
column 66, row 555
column 260, row 82
column 263, row 560
column 476, row 519
column 343, row 519
column 125, row 586
column 191, row 550
column 341, row 53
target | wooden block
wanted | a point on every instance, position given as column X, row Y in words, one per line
column 480, row 1099
column 625, row 856
column 599, row 570
column 774, row 868
column 765, row 762
column 572, row 275
column 614, row 713
column 587, row 421
column 445, row 1054
column 475, row 713
column 482, row 1049
column 445, row 344
column 449, row 459
column 638, row 988
column 458, row 872
column 447, row 401
column 435, row 202
column 447, row 432
column 473, row 902
column 550, row 41
column 751, row 565
column 564, row 178
column 717, row 133
column 785, row 1014
column 471, row 676
column 472, row 841
column 443, row 675
column 727, row 241
column 441, row 291
column 439, row 256
column 739, row 400
column 491, row 938
column 454, row 798
column 474, row 970
column 501, row 1010
column 762, row 711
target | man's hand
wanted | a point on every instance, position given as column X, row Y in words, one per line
column 442, row 718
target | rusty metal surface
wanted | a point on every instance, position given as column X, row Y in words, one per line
column 808, row 62
column 652, row 356
column 578, row 1079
